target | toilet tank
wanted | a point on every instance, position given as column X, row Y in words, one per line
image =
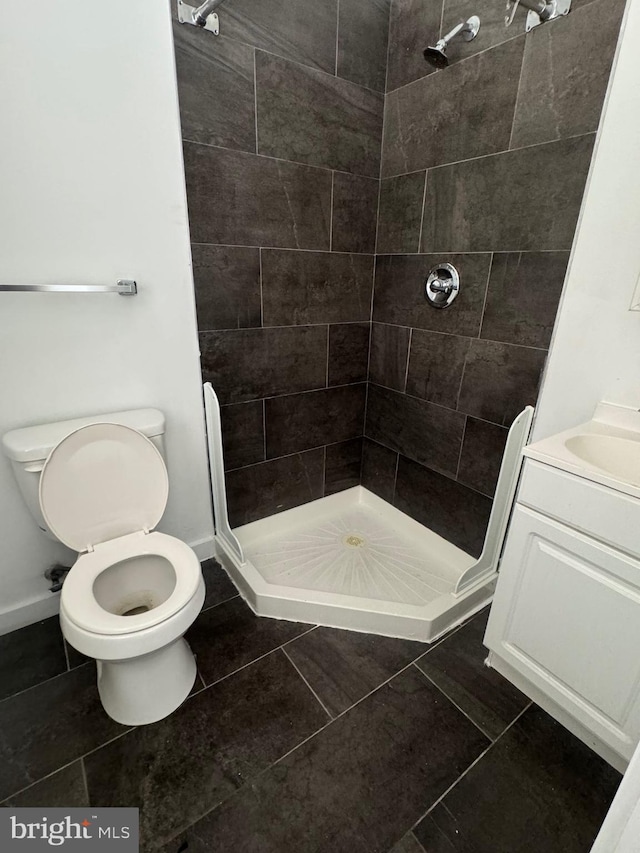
column 29, row 447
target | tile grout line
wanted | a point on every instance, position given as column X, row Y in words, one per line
column 264, row 433
column 406, row 371
column 326, row 169
column 464, row 432
column 66, row 653
column 294, row 665
column 374, row 254
column 85, row 780
column 485, row 156
column 486, row 297
column 455, row 704
column 469, row 768
column 331, row 214
column 424, row 201
column 337, row 36
column 520, row 76
column 255, row 96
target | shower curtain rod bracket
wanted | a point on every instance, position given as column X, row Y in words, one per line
column 191, row 15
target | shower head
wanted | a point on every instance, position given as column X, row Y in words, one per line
column 436, row 55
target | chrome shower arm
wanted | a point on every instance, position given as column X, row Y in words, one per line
column 539, row 11
column 202, row 12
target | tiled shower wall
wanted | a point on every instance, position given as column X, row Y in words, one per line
column 282, row 126
column 484, row 165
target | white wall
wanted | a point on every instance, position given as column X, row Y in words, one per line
column 595, row 352
column 92, row 190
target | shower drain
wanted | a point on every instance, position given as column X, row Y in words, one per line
column 352, row 540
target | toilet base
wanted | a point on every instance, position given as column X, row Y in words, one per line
column 145, row 689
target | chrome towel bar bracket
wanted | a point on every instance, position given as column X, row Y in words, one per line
column 125, row 287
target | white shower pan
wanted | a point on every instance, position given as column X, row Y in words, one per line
column 351, row 560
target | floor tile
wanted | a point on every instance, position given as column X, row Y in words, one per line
column 457, row 667
column 219, row 586
column 229, row 636
column 51, row 725
column 31, row 655
column 538, row 790
column 358, row 785
column 343, row 666
column 179, row 768
column 64, row 789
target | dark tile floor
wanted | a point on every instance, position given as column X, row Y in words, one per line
column 304, row 739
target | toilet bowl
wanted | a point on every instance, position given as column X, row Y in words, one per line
column 133, row 592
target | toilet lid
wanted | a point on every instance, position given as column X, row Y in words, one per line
column 101, row 482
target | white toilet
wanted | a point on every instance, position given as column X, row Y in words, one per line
column 102, row 487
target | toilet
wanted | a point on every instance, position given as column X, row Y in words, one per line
column 102, row 487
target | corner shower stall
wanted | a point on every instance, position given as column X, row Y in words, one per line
column 360, row 431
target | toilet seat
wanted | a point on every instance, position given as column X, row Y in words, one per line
column 102, row 489
column 84, row 611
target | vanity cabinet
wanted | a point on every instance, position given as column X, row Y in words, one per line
column 565, row 622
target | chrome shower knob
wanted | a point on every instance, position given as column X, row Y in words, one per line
column 442, row 285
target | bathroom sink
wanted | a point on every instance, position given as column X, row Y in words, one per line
column 605, row 450
column 619, row 457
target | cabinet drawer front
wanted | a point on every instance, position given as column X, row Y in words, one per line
column 603, row 513
column 567, row 616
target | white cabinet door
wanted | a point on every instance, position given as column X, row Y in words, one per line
column 566, row 615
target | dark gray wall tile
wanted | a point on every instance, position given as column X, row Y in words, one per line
column 400, row 213
column 315, row 287
column 464, row 111
column 414, row 25
column 553, row 792
column 301, row 421
column 343, row 666
column 355, row 209
column 481, row 457
column 427, row 433
column 500, row 380
column 388, row 357
column 31, row 655
column 436, row 365
column 363, row 29
column 525, row 199
column 383, row 770
column 242, row 434
column 242, row 199
column 408, row 844
column 210, row 747
column 399, row 292
column 379, row 469
column 448, row 508
column 343, row 462
column 247, row 364
column 228, row 637
column 304, row 31
column 457, row 666
column 271, row 487
column 565, row 74
column 32, row 747
column 215, row 89
column 523, row 296
column 312, row 117
column 64, row 789
column 348, row 353
column 227, row 283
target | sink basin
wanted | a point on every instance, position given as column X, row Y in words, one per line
column 619, row 457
